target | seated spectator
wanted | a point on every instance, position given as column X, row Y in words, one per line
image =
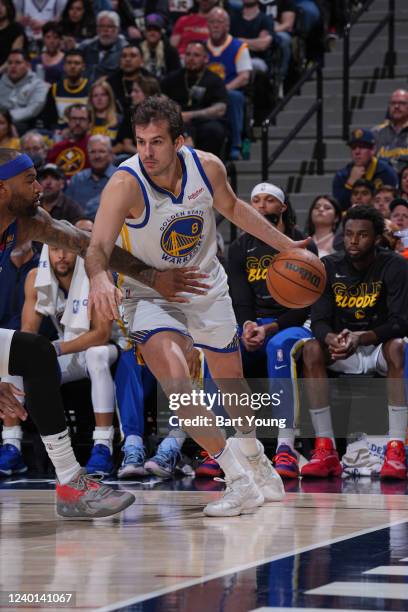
column 271, row 333
column 22, row 93
column 202, row 97
column 359, row 323
column 192, row 27
column 143, row 87
column 59, row 288
column 323, row 220
column 72, row 88
column 8, row 133
column 33, row 15
column 71, row 154
column 362, row 193
column 391, row 136
column 77, row 22
column 102, row 54
column 399, row 213
column 104, row 116
column 229, row 58
column 53, row 200
column 34, row 144
column 283, row 13
column 159, row 57
column 403, row 183
column 121, row 81
column 11, row 32
column 256, row 29
column 383, row 198
column 364, row 165
column 49, row 64
column 86, row 186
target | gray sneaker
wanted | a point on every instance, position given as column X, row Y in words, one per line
column 242, row 496
column 86, row 497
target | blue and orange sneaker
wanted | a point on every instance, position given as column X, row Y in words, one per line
column 286, row 462
column 208, row 468
column 100, row 461
column 11, row 460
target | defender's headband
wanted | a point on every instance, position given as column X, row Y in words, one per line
column 15, row 166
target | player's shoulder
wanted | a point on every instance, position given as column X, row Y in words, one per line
column 334, row 259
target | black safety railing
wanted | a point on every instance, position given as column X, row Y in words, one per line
column 316, row 109
column 349, row 60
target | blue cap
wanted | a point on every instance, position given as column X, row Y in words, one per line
column 361, row 136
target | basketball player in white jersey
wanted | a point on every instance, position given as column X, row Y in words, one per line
column 161, row 203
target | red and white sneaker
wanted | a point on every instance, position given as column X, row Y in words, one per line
column 324, row 462
column 395, row 461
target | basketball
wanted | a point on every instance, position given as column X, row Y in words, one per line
column 296, row 278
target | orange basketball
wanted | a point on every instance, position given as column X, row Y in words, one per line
column 296, row 278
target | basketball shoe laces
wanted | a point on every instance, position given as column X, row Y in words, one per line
column 320, row 454
column 92, row 483
column 284, row 458
column 134, row 454
column 166, row 457
column 232, row 488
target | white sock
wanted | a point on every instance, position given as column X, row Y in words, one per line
column 229, row 463
column 133, row 440
column 322, row 423
column 59, row 450
column 248, row 443
column 13, row 435
column 287, row 438
column 104, row 435
column 398, row 421
column 179, row 436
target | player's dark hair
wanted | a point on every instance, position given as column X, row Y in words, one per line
column 160, row 108
column 7, row 155
column 366, row 212
column 309, row 226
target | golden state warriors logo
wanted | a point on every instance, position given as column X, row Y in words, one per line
column 182, row 236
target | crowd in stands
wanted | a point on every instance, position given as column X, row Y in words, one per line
column 72, row 72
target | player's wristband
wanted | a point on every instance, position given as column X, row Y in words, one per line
column 57, row 345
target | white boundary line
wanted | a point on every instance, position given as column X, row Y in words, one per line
column 239, row 568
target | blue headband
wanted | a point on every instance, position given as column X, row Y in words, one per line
column 15, row 166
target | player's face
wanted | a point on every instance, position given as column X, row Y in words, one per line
column 156, row 147
column 23, row 194
column 61, row 261
column 399, row 217
column 323, row 213
column 382, row 202
column 359, row 238
column 361, row 154
column 268, row 206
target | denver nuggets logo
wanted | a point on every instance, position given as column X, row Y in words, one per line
column 71, row 160
column 182, row 236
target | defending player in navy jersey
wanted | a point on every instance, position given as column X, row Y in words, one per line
column 159, row 205
column 359, row 323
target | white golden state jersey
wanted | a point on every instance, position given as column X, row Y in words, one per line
column 173, row 231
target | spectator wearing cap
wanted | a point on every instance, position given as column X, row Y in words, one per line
column 391, row 136
column 121, row 81
column 383, row 198
column 86, row 186
column 399, row 213
column 202, row 97
column 22, row 93
column 270, row 331
column 364, row 165
column 71, row 154
column 102, row 54
column 53, row 200
column 159, row 57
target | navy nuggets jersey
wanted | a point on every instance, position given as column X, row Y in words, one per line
column 8, row 242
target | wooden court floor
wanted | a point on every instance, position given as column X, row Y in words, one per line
column 163, row 554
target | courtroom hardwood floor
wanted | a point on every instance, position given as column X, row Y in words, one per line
column 163, row 554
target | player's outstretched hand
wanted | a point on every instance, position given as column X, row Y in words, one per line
column 9, row 405
column 301, row 244
column 104, row 297
column 171, row 283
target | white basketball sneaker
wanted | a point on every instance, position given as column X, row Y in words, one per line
column 241, row 496
column 265, row 475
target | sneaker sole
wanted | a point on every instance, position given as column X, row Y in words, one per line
column 156, row 470
column 5, row 472
column 101, row 514
column 286, row 473
column 251, row 510
column 129, row 472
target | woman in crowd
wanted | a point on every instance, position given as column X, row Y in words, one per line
column 12, row 33
column 143, row 87
column 323, row 219
column 78, row 22
column 403, row 183
column 8, row 133
column 49, row 64
column 104, row 116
